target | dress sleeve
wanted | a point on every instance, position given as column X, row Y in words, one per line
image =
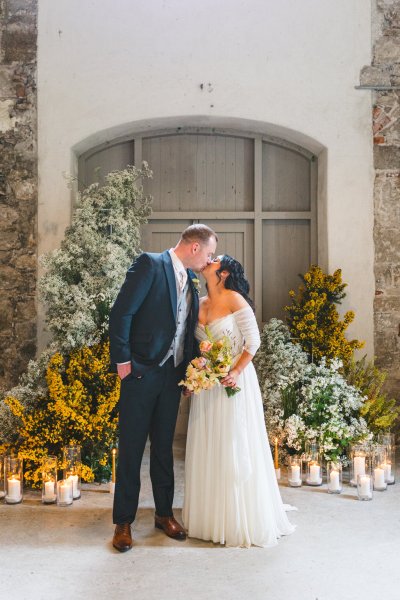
column 247, row 324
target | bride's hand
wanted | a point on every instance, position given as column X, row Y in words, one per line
column 230, row 379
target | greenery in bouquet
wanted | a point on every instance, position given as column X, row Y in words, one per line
column 313, row 318
column 205, row 371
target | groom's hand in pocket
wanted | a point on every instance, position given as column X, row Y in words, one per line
column 124, row 370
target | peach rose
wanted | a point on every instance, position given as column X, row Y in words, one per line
column 205, row 346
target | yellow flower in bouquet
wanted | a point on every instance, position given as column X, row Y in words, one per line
column 206, row 370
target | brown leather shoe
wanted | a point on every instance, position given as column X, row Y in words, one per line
column 171, row 527
column 122, row 539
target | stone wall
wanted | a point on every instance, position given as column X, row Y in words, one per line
column 18, row 187
column 384, row 76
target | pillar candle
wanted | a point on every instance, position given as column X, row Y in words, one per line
column 276, row 459
column 387, row 467
column 295, row 474
column 65, row 488
column 379, row 477
column 113, row 472
column 359, row 466
column 334, row 481
column 314, row 473
column 74, row 479
column 365, row 486
column 49, row 490
column 13, row 489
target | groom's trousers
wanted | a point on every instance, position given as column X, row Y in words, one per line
column 148, row 407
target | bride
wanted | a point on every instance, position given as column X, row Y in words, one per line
column 231, row 493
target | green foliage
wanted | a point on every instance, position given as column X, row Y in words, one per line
column 378, row 410
column 80, row 285
column 314, row 321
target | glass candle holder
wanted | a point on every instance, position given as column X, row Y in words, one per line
column 389, row 441
column 379, row 455
column 2, row 477
column 73, row 475
column 314, row 475
column 294, row 471
column 360, row 462
column 334, row 477
column 64, row 492
column 49, row 480
column 13, row 473
column 72, row 468
column 364, row 487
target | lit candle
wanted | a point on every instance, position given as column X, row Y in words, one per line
column 113, row 472
column 365, row 486
column 379, row 478
column 74, row 479
column 276, row 459
column 314, row 473
column 64, row 490
column 13, row 489
column 49, row 490
column 359, row 467
column 334, row 481
column 295, row 476
column 387, row 467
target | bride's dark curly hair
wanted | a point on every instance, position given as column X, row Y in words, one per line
column 236, row 280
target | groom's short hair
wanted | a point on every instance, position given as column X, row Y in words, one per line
column 198, row 233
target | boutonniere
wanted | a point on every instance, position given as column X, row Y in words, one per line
column 196, row 283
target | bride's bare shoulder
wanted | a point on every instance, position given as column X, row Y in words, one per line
column 235, row 300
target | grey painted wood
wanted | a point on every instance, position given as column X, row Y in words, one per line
column 258, row 233
column 286, row 179
column 286, row 254
column 95, row 166
column 236, row 238
column 259, row 193
column 205, row 172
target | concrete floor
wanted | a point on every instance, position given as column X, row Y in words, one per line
column 342, row 549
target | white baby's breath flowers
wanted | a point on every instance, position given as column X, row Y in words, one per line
column 322, row 406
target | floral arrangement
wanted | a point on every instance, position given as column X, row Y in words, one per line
column 83, row 276
column 79, row 409
column 205, row 371
column 67, row 395
column 304, row 401
column 314, row 320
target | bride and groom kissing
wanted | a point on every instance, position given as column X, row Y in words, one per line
column 156, row 324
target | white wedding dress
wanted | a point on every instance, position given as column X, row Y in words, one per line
column 231, row 493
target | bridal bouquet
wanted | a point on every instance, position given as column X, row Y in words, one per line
column 206, row 370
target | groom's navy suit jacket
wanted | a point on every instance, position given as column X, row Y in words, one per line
column 143, row 318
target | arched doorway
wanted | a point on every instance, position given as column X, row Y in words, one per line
column 259, row 193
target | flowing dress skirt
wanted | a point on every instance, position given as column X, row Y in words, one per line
column 231, row 493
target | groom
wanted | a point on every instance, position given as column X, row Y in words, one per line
column 151, row 342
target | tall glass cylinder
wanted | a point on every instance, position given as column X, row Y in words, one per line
column 364, row 487
column 334, row 477
column 379, row 455
column 314, row 465
column 13, row 468
column 2, row 477
column 360, row 462
column 388, row 439
column 64, row 492
column 49, row 480
column 294, row 471
column 72, row 469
